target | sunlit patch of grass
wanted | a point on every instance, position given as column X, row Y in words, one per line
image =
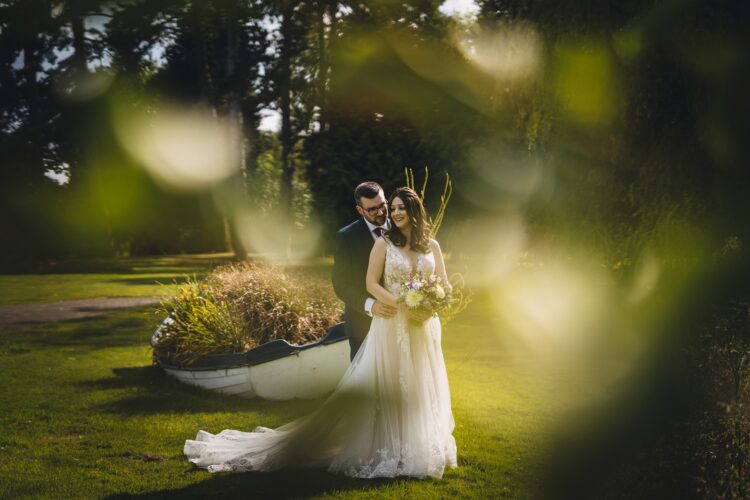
column 71, row 280
column 19, row 289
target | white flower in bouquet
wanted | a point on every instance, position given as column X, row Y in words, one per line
column 413, row 298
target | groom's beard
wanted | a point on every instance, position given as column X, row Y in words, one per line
column 378, row 220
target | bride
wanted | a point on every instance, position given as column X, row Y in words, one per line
column 390, row 414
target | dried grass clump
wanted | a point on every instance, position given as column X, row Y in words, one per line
column 200, row 322
column 241, row 306
column 275, row 303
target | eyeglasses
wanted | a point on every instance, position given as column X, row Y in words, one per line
column 375, row 210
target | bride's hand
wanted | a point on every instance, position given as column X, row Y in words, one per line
column 418, row 315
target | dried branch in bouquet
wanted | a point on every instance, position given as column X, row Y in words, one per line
column 460, row 298
column 444, row 197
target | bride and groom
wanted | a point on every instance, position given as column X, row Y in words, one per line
column 390, row 414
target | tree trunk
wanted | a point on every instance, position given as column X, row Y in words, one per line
column 31, row 67
column 323, row 6
column 85, row 155
column 287, row 139
column 79, row 44
column 252, row 149
column 237, row 143
column 285, row 76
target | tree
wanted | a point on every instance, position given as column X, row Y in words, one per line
column 381, row 114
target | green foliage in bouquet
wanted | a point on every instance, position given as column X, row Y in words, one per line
column 241, row 306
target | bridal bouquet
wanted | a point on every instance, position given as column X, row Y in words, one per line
column 425, row 296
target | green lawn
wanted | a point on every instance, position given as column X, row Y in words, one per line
column 105, row 278
column 86, row 415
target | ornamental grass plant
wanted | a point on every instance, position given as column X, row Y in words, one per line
column 240, row 306
column 200, row 322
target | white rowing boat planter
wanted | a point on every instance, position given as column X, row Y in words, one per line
column 275, row 370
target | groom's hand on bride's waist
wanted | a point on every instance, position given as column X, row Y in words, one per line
column 383, row 310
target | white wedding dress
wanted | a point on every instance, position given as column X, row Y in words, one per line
column 390, row 414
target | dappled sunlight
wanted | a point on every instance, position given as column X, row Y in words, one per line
column 586, row 84
column 84, row 86
column 589, row 329
column 645, row 280
column 182, row 148
column 464, row 82
column 629, row 43
column 274, row 238
column 505, row 177
column 555, row 309
column 511, row 52
column 492, row 245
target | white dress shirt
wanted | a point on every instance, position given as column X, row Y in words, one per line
column 370, row 301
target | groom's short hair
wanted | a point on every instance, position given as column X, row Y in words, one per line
column 368, row 189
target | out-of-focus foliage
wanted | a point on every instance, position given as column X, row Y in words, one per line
column 597, row 152
column 602, row 123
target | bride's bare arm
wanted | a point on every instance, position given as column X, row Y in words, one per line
column 375, row 272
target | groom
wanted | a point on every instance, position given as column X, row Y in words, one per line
column 353, row 245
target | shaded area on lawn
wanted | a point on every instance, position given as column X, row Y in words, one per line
column 17, row 316
column 305, row 484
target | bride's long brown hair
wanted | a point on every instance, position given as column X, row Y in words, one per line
column 420, row 228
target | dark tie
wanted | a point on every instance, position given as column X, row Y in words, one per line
column 378, row 231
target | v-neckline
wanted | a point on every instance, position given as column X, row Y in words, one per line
column 413, row 266
column 404, row 253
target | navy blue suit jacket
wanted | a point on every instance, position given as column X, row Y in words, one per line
column 353, row 245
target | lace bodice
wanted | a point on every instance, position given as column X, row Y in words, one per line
column 400, row 262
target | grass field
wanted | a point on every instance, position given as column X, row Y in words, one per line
column 139, row 277
column 86, row 415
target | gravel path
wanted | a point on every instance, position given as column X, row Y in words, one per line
column 16, row 316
